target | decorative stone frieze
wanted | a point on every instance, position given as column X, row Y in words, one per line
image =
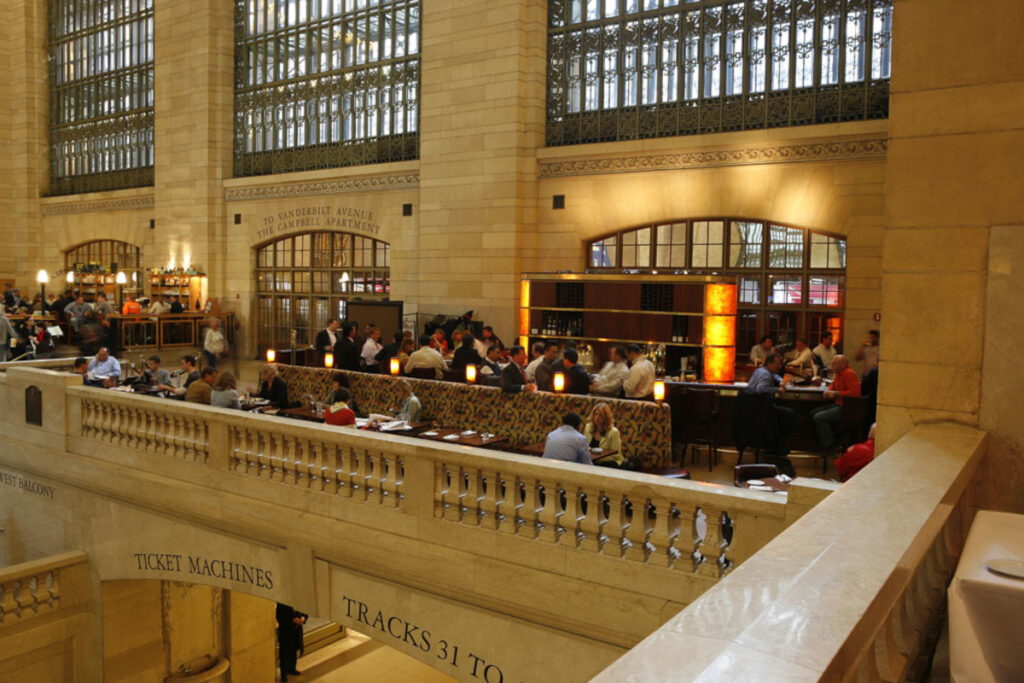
column 97, row 206
column 341, row 185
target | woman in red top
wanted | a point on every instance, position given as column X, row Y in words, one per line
column 438, row 342
column 339, row 413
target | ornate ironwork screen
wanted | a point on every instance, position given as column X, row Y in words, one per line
column 101, row 95
column 628, row 69
column 325, row 83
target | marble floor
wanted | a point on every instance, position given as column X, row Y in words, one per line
column 358, row 658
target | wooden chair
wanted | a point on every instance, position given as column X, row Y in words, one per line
column 423, row 373
column 851, row 425
column 744, row 473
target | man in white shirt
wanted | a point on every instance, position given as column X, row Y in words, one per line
column 639, row 382
column 105, row 368
column 762, row 350
column 609, row 380
column 825, row 351
column 159, row 307
column 803, row 360
column 426, row 357
column 538, row 358
column 371, row 348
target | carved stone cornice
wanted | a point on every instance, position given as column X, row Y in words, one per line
column 779, row 154
column 356, row 184
column 98, row 205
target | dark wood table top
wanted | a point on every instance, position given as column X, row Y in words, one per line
column 537, row 449
column 474, row 439
column 773, row 482
column 302, row 413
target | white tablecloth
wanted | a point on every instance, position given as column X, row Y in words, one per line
column 986, row 610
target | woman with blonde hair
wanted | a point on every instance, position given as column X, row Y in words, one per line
column 602, row 433
column 410, row 408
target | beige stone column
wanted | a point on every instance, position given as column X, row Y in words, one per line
column 194, row 49
column 955, row 164
column 481, row 120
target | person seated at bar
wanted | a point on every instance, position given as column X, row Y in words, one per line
column 766, row 380
column 559, row 364
column 340, row 380
column 537, row 357
column 225, row 392
column 602, row 433
column 201, row 390
column 339, row 413
column 326, row 340
column 868, row 352
column 826, row 418
column 389, row 351
column 513, row 377
column 803, row 360
column 438, row 341
column 75, row 311
column 427, row 356
column 466, row 354
column 825, row 351
column 608, row 382
column 346, row 353
column 157, row 376
column 577, row 381
column 371, row 347
column 490, row 362
column 159, row 307
column 272, row 388
column 639, row 382
column 543, row 373
column 131, row 306
column 103, row 307
column 410, row 407
column 490, row 339
column 566, row 443
column 105, row 368
column 856, row 457
column 175, row 305
column 760, row 352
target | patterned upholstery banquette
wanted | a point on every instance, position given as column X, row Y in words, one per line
column 646, row 427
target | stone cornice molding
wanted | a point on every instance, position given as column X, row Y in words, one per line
column 95, row 206
column 864, row 148
column 356, row 184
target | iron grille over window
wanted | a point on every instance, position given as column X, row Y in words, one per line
column 325, row 83
column 101, row 95
column 628, row 69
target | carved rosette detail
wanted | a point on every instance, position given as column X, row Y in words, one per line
column 360, row 184
column 146, row 202
column 818, row 151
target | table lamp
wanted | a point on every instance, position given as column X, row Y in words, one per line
column 558, row 382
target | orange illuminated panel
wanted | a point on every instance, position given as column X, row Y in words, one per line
column 720, row 299
column 720, row 330
column 271, row 355
column 524, row 294
column 558, row 381
column 835, row 327
column 470, row 373
column 720, row 364
column 328, row 360
column 524, row 321
column 394, row 366
column 659, row 390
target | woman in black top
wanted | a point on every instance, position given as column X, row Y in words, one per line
column 466, row 354
column 273, row 387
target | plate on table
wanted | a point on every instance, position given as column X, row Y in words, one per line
column 755, row 482
column 595, row 451
column 761, row 488
column 451, row 437
column 469, row 432
column 429, row 434
column 1006, row 567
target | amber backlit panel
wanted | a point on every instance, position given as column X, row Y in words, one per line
column 719, row 364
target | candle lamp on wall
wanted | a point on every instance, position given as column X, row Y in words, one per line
column 394, row 366
column 271, row 355
column 558, row 382
column 659, row 390
column 470, row 374
column 720, row 305
column 328, row 360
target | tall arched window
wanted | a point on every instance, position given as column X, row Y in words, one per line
column 792, row 281
column 95, row 263
column 304, row 280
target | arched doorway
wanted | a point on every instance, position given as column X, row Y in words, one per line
column 96, row 263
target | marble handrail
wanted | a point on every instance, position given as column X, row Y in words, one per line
column 694, row 527
column 37, row 588
column 854, row 590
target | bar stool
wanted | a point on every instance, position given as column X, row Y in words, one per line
column 702, row 407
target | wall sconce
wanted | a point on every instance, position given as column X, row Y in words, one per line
column 558, row 382
column 659, row 390
column 271, row 355
column 720, row 305
column 394, row 366
column 328, row 360
column 470, row 374
column 70, row 277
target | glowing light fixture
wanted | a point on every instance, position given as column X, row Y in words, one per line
column 558, row 382
column 42, row 277
column 659, row 390
column 121, row 278
column 720, row 304
column 328, row 360
column 271, row 355
column 524, row 313
column 470, row 373
column 394, row 366
column 70, row 277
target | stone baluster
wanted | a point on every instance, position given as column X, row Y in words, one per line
column 551, row 513
column 511, row 505
column 636, row 533
column 615, row 526
column 491, row 501
column 389, row 484
column 530, row 510
column 474, row 494
column 663, row 533
column 364, row 470
column 713, row 545
column 456, row 491
column 571, row 518
column 149, row 432
column 289, row 447
column 592, row 522
column 345, row 470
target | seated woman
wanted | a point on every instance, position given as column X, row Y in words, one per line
column 44, row 347
column 225, row 392
column 439, row 342
column 339, row 380
column 602, row 433
column 404, row 350
column 272, row 387
column 410, row 408
column 339, row 413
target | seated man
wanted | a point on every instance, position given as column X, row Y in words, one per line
column 608, row 382
column 639, row 382
column 426, row 357
column 803, row 360
column 103, row 306
column 828, row 416
column 543, row 372
column 513, row 378
column 760, row 352
column 567, row 443
column 466, row 354
column 577, row 381
column 157, row 376
column 105, row 368
column 188, row 369
column 490, row 365
column 75, row 311
column 81, row 367
column 536, row 359
column 825, row 351
column 200, row 390
column 131, row 306
column 766, row 380
column 856, row 457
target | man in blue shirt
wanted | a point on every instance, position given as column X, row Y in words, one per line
column 105, row 368
column 765, row 379
column 567, row 443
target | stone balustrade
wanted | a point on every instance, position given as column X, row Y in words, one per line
column 39, row 588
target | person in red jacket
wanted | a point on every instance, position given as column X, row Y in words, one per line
column 856, row 457
column 828, row 416
column 339, row 413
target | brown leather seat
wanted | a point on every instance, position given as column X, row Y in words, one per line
column 744, row 473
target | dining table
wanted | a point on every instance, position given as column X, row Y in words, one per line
column 465, row 437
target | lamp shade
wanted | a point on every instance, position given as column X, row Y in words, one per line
column 394, row 365
column 558, row 381
column 42, row 277
column 659, row 390
column 328, row 360
column 121, row 278
column 70, row 277
column 470, row 373
column 271, row 355
column 720, row 299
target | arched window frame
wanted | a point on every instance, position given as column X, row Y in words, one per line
column 104, row 254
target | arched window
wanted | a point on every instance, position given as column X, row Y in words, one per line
column 94, row 264
column 792, row 281
column 304, row 280
column 629, row 69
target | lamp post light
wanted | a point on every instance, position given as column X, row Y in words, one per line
column 42, row 277
column 121, row 280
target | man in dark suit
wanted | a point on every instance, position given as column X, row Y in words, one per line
column 513, row 379
column 289, row 638
column 466, row 354
column 346, row 353
column 326, row 340
column 389, row 351
column 176, row 306
column 577, row 381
